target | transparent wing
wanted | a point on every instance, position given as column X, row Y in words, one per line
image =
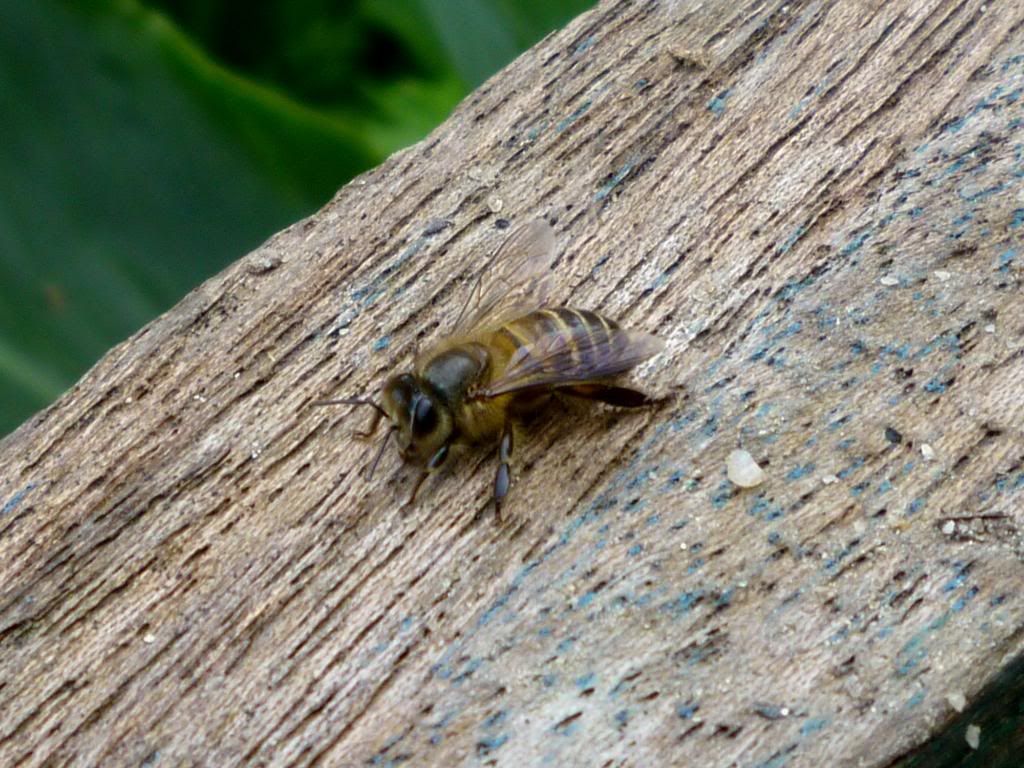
column 514, row 281
column 557, row 359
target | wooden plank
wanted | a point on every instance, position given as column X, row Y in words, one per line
column 819, row 207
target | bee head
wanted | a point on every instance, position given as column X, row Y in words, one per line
column 422, row 422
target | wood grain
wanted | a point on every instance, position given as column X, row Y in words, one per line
column 818, row 205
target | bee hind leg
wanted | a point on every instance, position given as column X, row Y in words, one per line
column 503, row 477
column 612, row 394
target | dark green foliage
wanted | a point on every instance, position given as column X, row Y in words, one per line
column 144, row 147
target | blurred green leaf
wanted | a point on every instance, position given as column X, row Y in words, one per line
column 135, row 162
column 131, row 168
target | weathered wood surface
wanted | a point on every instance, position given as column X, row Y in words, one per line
column 819, row 206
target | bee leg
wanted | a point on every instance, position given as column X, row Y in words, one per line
column 435, row 462
column 503, row 477
column 363, row 434
column 620, row 397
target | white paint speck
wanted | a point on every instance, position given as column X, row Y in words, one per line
column 973, row 736
column 990, row 328
column 829, row 479
column 942, row 274
column 742, row 470
column 949, row 528
column 927, row 452
column 149, row 638
column 889, row 281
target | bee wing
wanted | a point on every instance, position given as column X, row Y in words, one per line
column 514, row 281
column 557, row 359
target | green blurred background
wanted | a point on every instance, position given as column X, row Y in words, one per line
column 146, row 145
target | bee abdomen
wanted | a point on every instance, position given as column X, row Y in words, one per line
column 586, row 336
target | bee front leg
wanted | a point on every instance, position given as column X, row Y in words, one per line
column 435, row 463
column 503, row 477
column 366, row 434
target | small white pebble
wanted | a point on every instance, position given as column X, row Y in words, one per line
column 990, row 328
column 942, row 274
column 149, row 638
column 742, row 470
column 889, row 281
column 957, row 701
column 927, row 451
column 949, row 528
column 829, row 479
column 973, row 736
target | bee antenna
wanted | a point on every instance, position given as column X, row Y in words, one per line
column 354, row 401
column 383, row 445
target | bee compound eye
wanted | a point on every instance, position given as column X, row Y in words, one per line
column 424, row 416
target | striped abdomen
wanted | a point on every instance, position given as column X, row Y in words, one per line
column 550, row 346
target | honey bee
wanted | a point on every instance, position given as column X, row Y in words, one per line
column 507, row 355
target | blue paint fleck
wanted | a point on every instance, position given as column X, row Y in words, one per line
column 915, row 700
column 635, row 550
column 491, row 743
column 584, row 45
column 912, row 654
column 687, row 711
column 615, row 180
column 854, row 245
column 382, row 343
column 850, row 469
column 960, row 570
column 585, row 681
column 813, row 725
column 1006, row 259
column 580, row 111
column 496, row 719
column 792, row 239
column 16, row 499
column 471, row 666
column 721, row 495
column 800, row 471
column 683, row 604
column 717, row 104
column 961, row 602
column 915, row 506
column 934, row 386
